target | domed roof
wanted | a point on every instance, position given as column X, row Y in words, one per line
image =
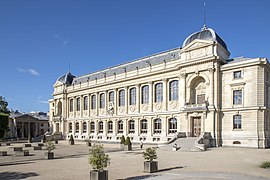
column 66, row 79
column 205, row 34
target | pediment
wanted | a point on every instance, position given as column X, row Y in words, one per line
column 196, row 44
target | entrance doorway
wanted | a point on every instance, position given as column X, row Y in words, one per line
column 196, row 126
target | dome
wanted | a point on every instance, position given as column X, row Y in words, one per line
column 205, row 34
column 66, row 79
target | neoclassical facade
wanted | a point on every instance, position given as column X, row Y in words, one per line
column 190, row 90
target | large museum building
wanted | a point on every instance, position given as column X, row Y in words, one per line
column 192, row 90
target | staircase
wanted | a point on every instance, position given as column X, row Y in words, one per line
column 183, row 144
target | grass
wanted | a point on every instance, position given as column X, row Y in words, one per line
column 265, row 164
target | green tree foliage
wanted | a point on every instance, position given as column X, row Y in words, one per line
column 50, row 146
column 3, row 124
column 98, row 159
column 127, row 141
column 150, row 154
column 3, row 106
column 122, row 140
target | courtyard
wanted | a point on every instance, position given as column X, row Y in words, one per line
column 71, row 162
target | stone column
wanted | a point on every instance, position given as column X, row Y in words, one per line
column 105, row 127
column 88, row 130
column 97, row 103
column 182, row 91
column 165, row 93
column 81, row 105
column 151, row 95
column 89, row 106
column 126, row 100
column 116, row 100
column 29, row 130
column 138, row 98
column 96, row 127
column 23, row 130
column 80, row 127
column 211, row 86
column 164, row 126
column 137, row 126
column 114, row 127
column 150, row 127
column 125, row 127
column 106, row 101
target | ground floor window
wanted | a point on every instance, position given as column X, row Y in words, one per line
column 120, row 126
column 157, row 126
column 237, row 122
column 100, row 127
column 143, row 126
column 131, row 127
column 172, row 125
column 84, row 127
column 110, row 127
column 92, row 127
column 70, row 127
column 77, row 127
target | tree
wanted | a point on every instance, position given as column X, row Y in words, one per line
column 3, row 124
column 3, row 106
column 98, row 159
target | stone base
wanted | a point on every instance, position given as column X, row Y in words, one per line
column 99, row 175
column 18, row 148
column 3, row 153
column 150, row 166
column 22, row 153
column 40, row 144
column 27, row 145
column 37, row 148
column 49, row 155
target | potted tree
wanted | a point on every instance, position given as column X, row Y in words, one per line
column 122, row 142
column 128, row 144
column 149, row 155
column 71, row 140
column 49, row 147
column 44, row 138
column 98, row 160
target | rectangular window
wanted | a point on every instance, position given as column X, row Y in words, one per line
column 93, row 102
column 78, row 104
column 237, row 74
column 237, row 122
column 85, row 103
column 237, row 97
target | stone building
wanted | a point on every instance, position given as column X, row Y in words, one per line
column 23, row 126
column 191, row 90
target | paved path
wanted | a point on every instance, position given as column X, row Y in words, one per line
column 72, row 163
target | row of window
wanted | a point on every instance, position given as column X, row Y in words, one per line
column 172, row 123
column 158, row 96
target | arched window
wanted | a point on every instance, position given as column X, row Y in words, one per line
column 84, row 127
column 70, row 127
column 132, row 96
column 111, row 96
column 159, row 92
column 157, row 126
column 78, row 104
column 85, row 102
column 122, row 97
column 92, row 127
column 77, row 127
column 144, row 126
column 131, row 127
column 173, row 90
column 59, row 108
column 100, row 127
column 93, row 102
column 145, row 94
column 71, row 105
column 102, row 101
column 120, row 126
column 237, row 122
column 110, row 127
column 172, row 125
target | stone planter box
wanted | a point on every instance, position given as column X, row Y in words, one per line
column 7, row 143
column 37, row 147
column 88, row 143
column 128, row 148
column 22, row 153
column 27, row 145
column 55, row 142
column 3, row 153
column 122, row 146
column 49, row 155
column 18, row 148
column 71, row 142
column 98, row 175
column 40, row 144
column 150, row 166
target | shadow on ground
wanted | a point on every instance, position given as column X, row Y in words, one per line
column 16, row 163
column 168, row 169
column 140, row 177
column 16, row 175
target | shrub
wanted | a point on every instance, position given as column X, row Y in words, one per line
column 50, row 146
column 3, row 124
column 265, row 164
column 44, row 138
column 98, row 159
column 122, row 140
column 71, row 138
column 150, row 154
column 127, row 141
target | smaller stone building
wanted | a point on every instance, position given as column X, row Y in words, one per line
column 23, row 126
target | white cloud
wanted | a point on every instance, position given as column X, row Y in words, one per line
column 31, row 71
column 62, row 40
column 44, row 102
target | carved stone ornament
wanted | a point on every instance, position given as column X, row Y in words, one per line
column 173, row 105
column 121, row 109
column 145, row 107
column 158, row 106
column 132, row 108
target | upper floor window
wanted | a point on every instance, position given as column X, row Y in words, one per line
column 85, row 102
column 93, row 102
column 159, row 92
column 78, row 104
column 71, row 105
column 173, row 90
column 122, row 97
column 111, row 96
column 132, row 96
column 145, row 94
column 237, row 74
column 102, row 101
column 237, row 122
column 237, row 97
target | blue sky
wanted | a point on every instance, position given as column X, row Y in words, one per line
column 38, row 38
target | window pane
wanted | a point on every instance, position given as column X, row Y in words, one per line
column 237, row 122
column 132, row 96
column 144, row 126
column 102, row 100
column 173, row 90
column 78, row 104
column 111, row 96
column 159, row 92
column 122, row 98
column 145, row 94
column 237, row 97
column 85, row 103
column 71, row 105
column 237, row 74
column 93, row 102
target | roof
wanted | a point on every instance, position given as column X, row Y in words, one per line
column 205, row 34
column 66, row 79
column 237, row 59
column 40, row 118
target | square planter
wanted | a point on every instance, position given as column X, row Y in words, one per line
column 3, row 153
column 27, row 145
column 7, row 143
column 37, row 147
column 18, row 148
column 127, row 148
column 40, row 144
column 71, row 142
column 22, row 153
column 55, row 142
column 49, row 155
column 98, row 175
column 150, row 166
column 88, row 143
column 122, row 146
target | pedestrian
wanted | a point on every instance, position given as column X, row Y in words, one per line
column 141, row 145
